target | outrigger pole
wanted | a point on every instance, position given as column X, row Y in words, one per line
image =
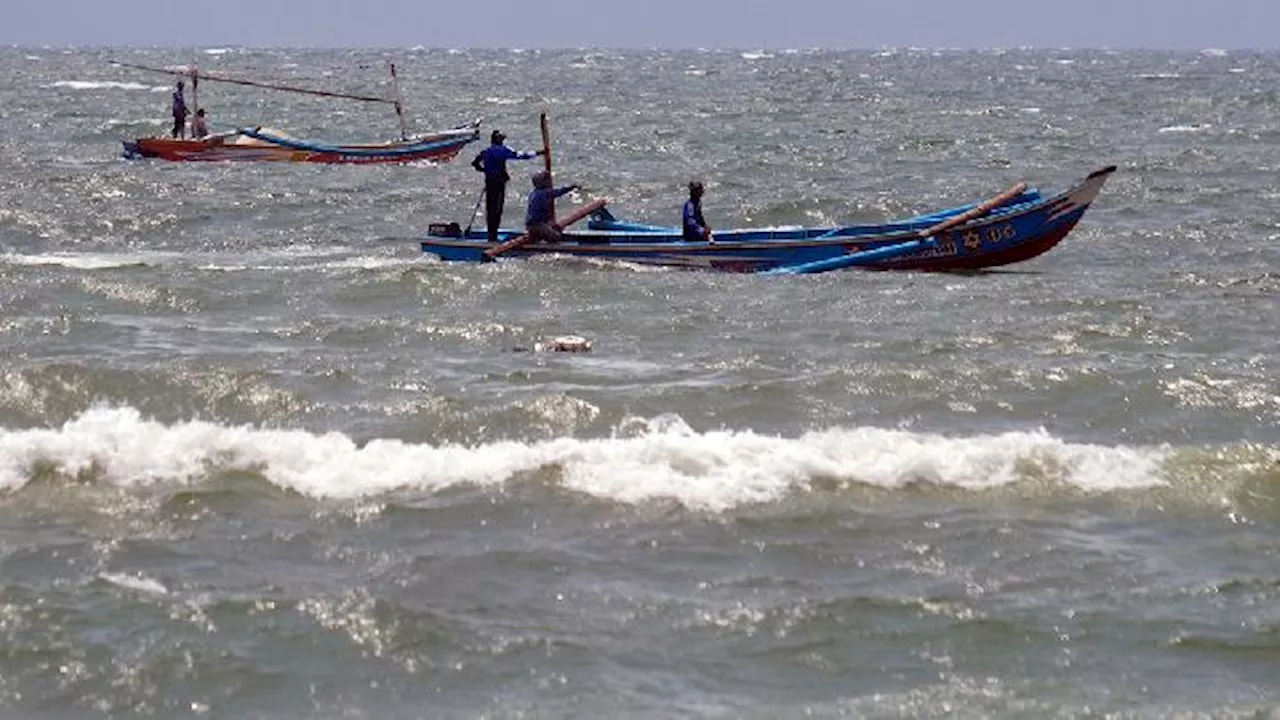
column 193, row 74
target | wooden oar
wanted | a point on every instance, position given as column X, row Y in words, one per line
column 923, row 238
column 525, row 239
column 973, row 213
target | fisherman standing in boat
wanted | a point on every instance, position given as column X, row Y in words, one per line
column 179, row 112
column 695, row 226
column 492, row 161
column 539, row 221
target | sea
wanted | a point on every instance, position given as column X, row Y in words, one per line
column 262, row 458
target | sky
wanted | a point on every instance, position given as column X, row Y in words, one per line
column 746, row 24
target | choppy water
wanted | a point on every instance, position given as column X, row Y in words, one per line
column 260, row 459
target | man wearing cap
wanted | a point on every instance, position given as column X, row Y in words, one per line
column 695, row 226
column 539, row 220
column 492, row 161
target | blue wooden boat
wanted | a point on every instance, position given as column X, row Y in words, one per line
column 1012, row 227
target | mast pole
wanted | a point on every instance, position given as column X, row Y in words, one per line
column 395, row 83
column 195, row 89
column 546, row 153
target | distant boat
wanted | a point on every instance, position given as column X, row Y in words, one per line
column 1014, row 226
column 262, row 144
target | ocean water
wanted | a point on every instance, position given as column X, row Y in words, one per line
column 260, row 458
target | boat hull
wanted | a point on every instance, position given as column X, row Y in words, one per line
column 259, row 145
column 1028, row 226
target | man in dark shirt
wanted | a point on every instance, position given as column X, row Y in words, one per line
column 179, row 112
column 492, row 161
column 695, row 226
column 539, row 220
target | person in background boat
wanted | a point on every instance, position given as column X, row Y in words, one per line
column 539, row 221
column 695, row 226
column 198, row 127
column 492, row 161
column 179, row 112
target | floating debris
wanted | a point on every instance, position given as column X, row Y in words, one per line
column 564, row 343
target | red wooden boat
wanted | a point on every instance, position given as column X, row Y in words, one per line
column 261, row 144
column 266, row 145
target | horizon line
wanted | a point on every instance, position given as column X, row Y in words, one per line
column 205, row 47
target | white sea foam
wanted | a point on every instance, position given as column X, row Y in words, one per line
column 1184, row 128
column 79, row 261
column 663, row 460
column 358, row 262
column 137, row 583
column 102, row 85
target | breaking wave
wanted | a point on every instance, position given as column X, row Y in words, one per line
column 662, row 460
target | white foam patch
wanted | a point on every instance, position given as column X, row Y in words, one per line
column 80, row 261
column 360, row 262
column 665, row 460
column 1184, row 128
column 102, row 85
column 136, row 583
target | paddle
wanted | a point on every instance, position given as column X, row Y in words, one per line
column 525, row 239
column 923, row 238
column 474, row 210
column 975, row 212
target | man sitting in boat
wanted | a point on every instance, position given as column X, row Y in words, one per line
column 198, row 127
column 492, row 161
column 179, row 112
column 539, row 221
column 695, row 226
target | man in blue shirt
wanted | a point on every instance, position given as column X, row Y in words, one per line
column 492, row 161
column 539, row 221
column 695, row 226
column 179, row 112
